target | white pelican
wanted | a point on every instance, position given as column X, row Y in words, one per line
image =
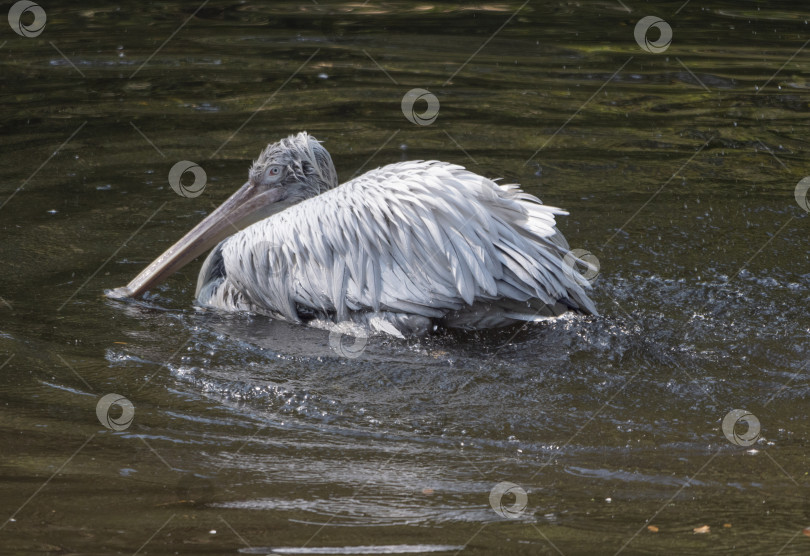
column 400, row 249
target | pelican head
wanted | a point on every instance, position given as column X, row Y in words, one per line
column 285, row 173
column 298, row 166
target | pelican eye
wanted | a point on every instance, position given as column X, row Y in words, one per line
column 273, row 173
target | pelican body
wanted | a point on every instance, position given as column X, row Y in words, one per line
column 401, row 249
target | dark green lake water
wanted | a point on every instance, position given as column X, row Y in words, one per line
column 679, row 169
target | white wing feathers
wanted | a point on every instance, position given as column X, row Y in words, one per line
column 422, row 238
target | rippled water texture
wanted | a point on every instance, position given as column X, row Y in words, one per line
column 678, row 163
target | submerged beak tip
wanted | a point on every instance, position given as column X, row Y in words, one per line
column 119, row 293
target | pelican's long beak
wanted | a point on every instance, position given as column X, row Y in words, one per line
column 241, row 209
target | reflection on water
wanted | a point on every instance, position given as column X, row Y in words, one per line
column 678, row 169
